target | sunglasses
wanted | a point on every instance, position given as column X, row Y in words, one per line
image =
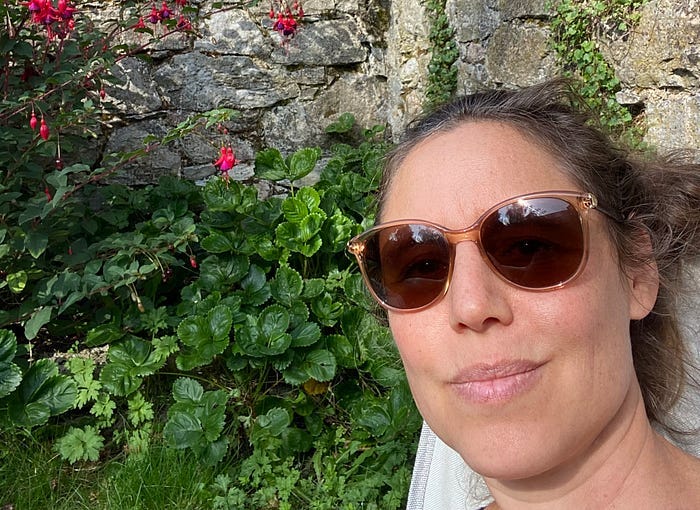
column 535, row 242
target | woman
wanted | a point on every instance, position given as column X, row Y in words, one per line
column 530, row 269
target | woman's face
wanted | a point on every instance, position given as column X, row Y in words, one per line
column 518, row 382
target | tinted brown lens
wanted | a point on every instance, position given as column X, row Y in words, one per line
column 407, row 265
column 535, row 243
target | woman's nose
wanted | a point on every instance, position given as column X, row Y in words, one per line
column 477, row 297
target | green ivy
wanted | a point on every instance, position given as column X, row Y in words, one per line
column 574, row 29
column 442, row 71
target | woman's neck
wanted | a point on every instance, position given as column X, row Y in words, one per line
column 627, row 466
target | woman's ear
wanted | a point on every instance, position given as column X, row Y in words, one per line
column 643, row 282
column 644, row 287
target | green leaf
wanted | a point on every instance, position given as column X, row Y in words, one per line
column 36, row 321
column 305, row 334
column 187, row 390
column 204, row 337
column 129, row 362
column 10, row 378
column 36, row 243
column 344, row 124
column 320, row 365
column 294, row 209
column 80, row 444
column 183, row 430
column 270, row 165
column 287, row 285
column 104, row 334
column 17, row 281
column 274, row 421
column 310, row 197
column 218, row 242
column 218, row 273
column 254, row 288
column 274, row 320
column 326, row 310
column 41, row 394
column 302, row 162
column 8, row 346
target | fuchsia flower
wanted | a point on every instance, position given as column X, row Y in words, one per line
column 33, row 121
column 287, row 22
column 44, row 129
column 154, row 17
column 226, row 160
column 164, row 12
column 183, row 23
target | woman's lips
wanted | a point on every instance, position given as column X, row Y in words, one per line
column 498, row 382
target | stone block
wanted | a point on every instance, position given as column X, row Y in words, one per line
column 518, row 55
column 234, row 32
column 673, row 119
column 325, row 43
column 198, row 82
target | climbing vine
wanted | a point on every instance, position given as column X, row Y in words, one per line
column 575, row 28
column 442, row 72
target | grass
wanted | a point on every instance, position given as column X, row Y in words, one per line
column 32, row 476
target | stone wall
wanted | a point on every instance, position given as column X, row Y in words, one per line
column 370, row 58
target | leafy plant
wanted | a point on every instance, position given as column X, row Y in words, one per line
column 575, row 29
column 442, row 72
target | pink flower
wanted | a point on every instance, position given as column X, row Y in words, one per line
column 226, row 160
column 32, row 121
column 44, row 129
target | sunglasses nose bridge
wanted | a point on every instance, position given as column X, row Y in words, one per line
column 454, row 237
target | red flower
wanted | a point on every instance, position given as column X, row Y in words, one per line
column 154, row 17
column 226, row 160
column 193, row 262
column 47, row 192
column 140, row 23
column 32, row 121
column 44, row 129
column 165, row 12
column 183, row 23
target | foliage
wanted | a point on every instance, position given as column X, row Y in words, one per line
column 234, row 327
column 575, row 30
column 442, row 72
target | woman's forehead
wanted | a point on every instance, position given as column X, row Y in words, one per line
column 467, row 169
